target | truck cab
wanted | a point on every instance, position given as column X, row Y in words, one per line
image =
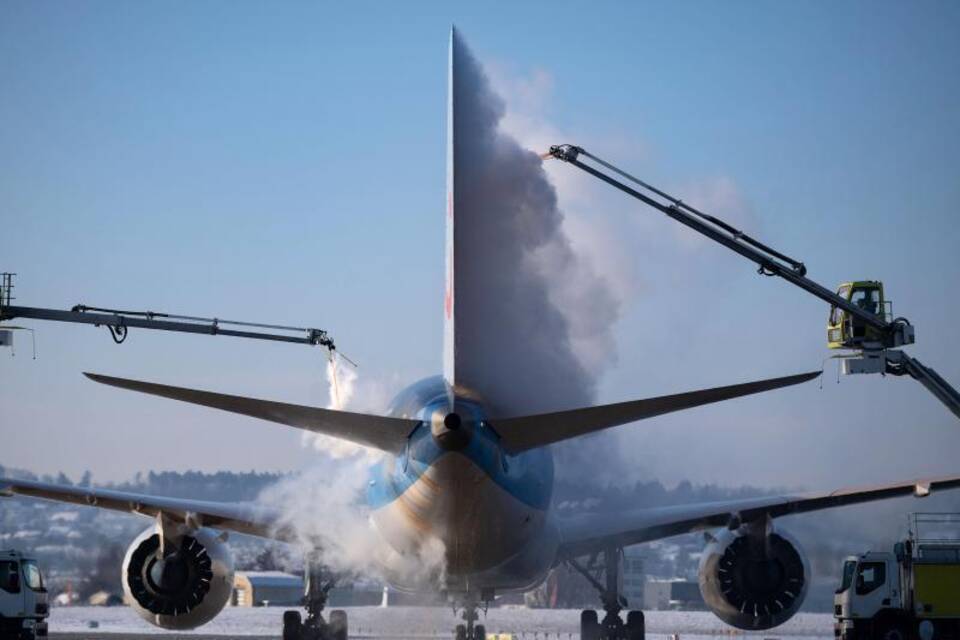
column 889, row 595
column 868, row 594
column 23, row 598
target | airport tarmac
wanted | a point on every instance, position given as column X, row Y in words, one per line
column 415, row 623
column 92, row 635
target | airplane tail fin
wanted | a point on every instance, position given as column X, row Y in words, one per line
column 449, row 327
column 529, row 432
column 386, row 434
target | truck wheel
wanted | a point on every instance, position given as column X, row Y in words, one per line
column 891, row 630
column 861, row 630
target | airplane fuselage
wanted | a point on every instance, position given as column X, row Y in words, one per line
column 457, row 492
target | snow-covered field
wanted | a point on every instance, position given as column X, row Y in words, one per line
column 413, row 622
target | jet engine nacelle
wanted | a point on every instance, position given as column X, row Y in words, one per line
column 183, row 588
column 751, row 580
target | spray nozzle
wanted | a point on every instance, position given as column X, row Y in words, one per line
column 565, row 152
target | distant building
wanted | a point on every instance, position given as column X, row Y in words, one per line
column 634, row 578
column 565, row 588
column 365, row 594
column 261, row 588
column 683, row 595
column 66, row 599
column 105, row 599
column 276, row 588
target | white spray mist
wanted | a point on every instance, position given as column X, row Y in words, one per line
column 323, row 507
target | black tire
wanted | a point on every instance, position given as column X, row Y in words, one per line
column 857, row 631
column 894, row 632
column 292, row 625
column 890, row 628
column 589, row 625
column 479, row 632
column 636, row 626
column 338, row 625
column 461, row 633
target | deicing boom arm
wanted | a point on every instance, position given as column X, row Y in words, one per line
column 118, row 322
column 769, row 261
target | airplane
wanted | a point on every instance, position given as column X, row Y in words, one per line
column 459, row 470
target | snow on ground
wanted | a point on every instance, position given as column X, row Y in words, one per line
column 419, row 622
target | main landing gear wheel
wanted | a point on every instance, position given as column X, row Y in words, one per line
column 292, row 625
column 338, row 624
column 479, row 632
column 317, row 587
column 589, row 625
column 470, row 630
column 315, row 628
column 636, row 626
column 612, row 626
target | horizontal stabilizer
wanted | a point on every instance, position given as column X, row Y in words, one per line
column 386, row 434
column 520, row 434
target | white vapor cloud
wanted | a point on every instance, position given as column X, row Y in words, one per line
column 534, row 316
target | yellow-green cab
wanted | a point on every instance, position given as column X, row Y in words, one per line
column 846, row 331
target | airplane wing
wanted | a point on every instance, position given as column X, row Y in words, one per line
column 242, row 517
column 384, row 433
column 587, row 533
column 379, row 432
column 528, row 432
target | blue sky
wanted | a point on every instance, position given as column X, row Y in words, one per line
column 285, row 163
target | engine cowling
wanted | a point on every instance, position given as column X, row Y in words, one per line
column 183, row 590
column 754, row 582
